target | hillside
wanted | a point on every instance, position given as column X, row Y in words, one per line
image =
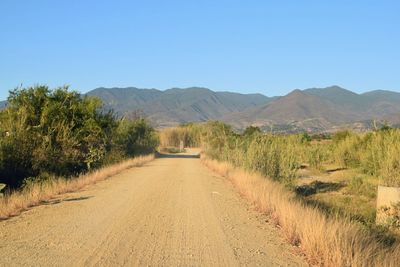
column 296, row 106
column 174, row 106
column 371, row 104
column 321, row 109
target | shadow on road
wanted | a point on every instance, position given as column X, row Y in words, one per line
column 57, row 201
column 182, row 156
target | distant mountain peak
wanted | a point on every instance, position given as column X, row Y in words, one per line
column 335, row 87
column 296, row 93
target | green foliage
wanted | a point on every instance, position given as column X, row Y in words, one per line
column 376, row 154
column 340, row 136
column 305, row 137
column 385, row 127
column 317, row 155
column 277, row 157
column 280, row 156
column 216, row 137
column 346, row 147
column 252, row 130
column 134, row 137
column 61, row 133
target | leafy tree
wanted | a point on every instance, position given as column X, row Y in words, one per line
column 60, row 132
column 134, row 137
column 250, row 130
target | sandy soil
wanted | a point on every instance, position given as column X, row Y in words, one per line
column 170, row 212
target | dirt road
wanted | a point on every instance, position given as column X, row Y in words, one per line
column 170, row 212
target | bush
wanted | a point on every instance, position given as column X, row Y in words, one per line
column 61, row 133
column 252, row 130
column 134, row 138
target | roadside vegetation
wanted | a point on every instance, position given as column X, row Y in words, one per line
column 49, row 137
column 324, row 240
column 189, row 134
column 321, row 190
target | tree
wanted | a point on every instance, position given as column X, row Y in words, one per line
column 250, row 130
column 51, row 131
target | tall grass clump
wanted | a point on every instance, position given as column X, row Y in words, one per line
column 346, row 149
column 278, row 157
column 189, row 134
column 325, row 240
column 376, row 153
column 381, row 156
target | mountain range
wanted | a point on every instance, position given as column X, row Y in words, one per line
column 175, row 106
column 322, row 109
column 313, row 110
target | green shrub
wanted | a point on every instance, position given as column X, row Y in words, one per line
column 62, row 133
column 252, row 130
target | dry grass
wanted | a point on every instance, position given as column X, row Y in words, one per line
column 326, row 241
column 16, row 202
column 171, row 137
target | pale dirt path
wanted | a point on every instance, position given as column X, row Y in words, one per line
column 170, row 212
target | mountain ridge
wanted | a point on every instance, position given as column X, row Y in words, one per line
column 312, row 109
column 177, row 105
column 328, row 108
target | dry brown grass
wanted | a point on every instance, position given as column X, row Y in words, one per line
column 16, row 202
column 326, row 241
column 171, row 137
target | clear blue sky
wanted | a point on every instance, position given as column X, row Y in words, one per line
column 269, row 47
